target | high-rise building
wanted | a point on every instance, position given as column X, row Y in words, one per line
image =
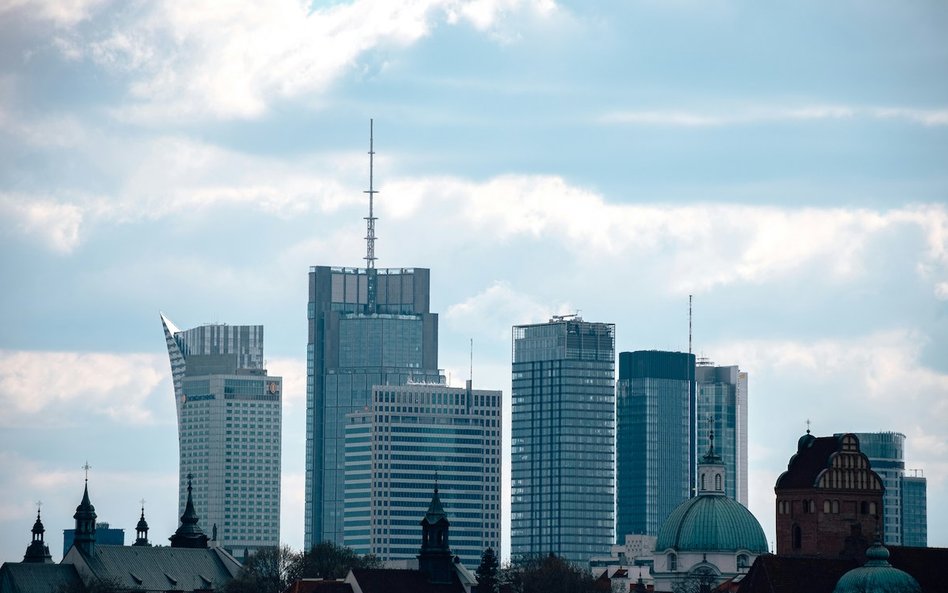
column 229, row 432
column 722, row 400
column 914, row 510
column 886, row 453
column 410, row 437
column 563, row 446
column 655, row 438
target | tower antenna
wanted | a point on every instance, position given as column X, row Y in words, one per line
column 689, row 324
column 471, row 373
column 370, row 219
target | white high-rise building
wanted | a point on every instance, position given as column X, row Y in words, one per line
column 229, row 432
column 409, row 440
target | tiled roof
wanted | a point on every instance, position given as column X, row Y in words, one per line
column 809, row 461
column 319, row 586
column 386, row 580
column 164, row 568
column 36, row 578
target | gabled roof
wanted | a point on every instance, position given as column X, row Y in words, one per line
column 388, row 580
column 162, row 568
column 37, row 578
column 319, row 586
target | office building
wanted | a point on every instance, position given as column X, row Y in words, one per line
column 914, row 510
column 229, row 432
column 563, row 438
column 103, row 532
column 722, row 400
column 655, row 451
column 413, row 438
column 886, row 453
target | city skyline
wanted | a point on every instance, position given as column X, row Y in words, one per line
column 783, row 166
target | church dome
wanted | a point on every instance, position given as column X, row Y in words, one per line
column 877, row 576
column 711, row 523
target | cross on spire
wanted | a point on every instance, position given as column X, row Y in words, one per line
column 808, row 426
column 87, row 467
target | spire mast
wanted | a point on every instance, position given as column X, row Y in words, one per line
column 370, row 219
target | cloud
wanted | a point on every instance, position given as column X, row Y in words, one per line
column 60, row 386
column 62, row 13
column 56, row 223
column 232, row 60
column 293, row 371
column 762, row 115
column 498, row 307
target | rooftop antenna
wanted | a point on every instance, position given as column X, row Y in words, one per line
column 689, row 324
column 471, row 373
column 370, row 219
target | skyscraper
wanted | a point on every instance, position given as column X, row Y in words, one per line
column 563, row 447
column 886, row 453
column 655, row 451
column 229, row 432
column 367, row 327
column 722, row 398
column 914, row 510
column 408, row 438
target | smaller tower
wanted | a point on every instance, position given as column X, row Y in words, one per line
column 38, row 551
column 711, row 469
column 85, row 522
column 189, row 534
column 141, row 530
column 435, row 559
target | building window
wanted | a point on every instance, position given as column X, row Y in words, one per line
column 797, row 537
column 742, row 562
column 835, row 507
column 672, row 563
column 864, row 507
column 717, row 482
column 827, row 507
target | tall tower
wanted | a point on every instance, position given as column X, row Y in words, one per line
column 455, row 430
column 655, row 441
column 229, row 432
column 367, row 326
column 722, row 397
column 563, row 447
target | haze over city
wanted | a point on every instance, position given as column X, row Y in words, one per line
column 785, row 165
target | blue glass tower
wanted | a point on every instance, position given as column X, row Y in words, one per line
column 722, row 399
column 655, row 450
column 563, row 447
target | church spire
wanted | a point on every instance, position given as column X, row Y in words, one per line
column 141, row 530
column 85, row 520
column 435, row 558
column 38, row 551
column 711, row 467
column 189, row 534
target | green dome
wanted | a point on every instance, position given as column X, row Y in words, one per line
column 711, row 523
column 877, row 576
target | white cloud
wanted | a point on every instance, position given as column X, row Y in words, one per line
column 62, row 13
column 56, row 223
column 59, row 386
column 293, row 371
column 498, row 307
column 231, row 60
column 759, row 114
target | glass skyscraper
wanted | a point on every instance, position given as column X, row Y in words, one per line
column 563, row 447
column 886, row 453
column 722, row 398
column 229, row 432
column 655, row 440
column 411, row 439
column 367, row 327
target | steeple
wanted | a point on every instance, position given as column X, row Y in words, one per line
column 85, row 521
column 711, row 468
column 189, row 534
column 38, row 551
column 435, row 558
column 141, row 530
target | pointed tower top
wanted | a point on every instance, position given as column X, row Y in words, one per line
column 371, row 218
column 38, row 551
column 189, row 534
column 435, row 509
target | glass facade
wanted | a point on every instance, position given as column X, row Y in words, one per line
column 563, row 447
column 229, row 432
column 655, row 451
column 395, row 450
column 367, row 327
column 722, row 405
column 914, row 511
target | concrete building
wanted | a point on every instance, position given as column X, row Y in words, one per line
column 563, row 438
column 655, row 452
column 408, row 437
column 722, row 399
column 229, row 431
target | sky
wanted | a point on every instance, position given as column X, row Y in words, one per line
column 784, row 163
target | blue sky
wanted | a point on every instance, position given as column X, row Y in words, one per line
column 785, row 164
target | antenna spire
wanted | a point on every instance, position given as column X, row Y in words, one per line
column 689, row 324
column 370, row 219
column 471, row 374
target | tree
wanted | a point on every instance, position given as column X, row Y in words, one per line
column 269, row 570
column 332, row 561
column 548, row 574
column 487, row 572
column 699, row 581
